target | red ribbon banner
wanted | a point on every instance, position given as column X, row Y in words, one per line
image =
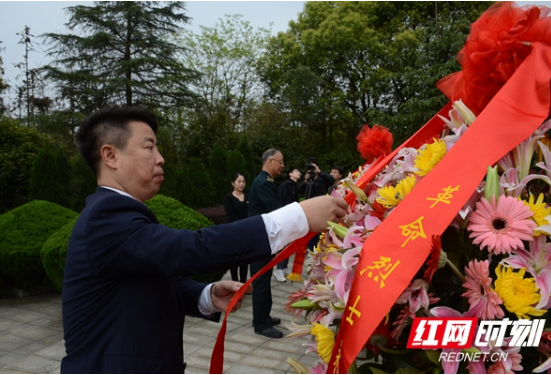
column 402, row 242
column 432, row 128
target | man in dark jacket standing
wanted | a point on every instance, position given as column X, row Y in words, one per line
column 316, row 182
column 264, row 198
column 287, row 194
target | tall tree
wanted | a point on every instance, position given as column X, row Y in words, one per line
column 225, row 55
column 3, row 84
column 27, row 83
column 119, row 53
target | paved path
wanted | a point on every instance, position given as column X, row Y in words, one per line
column 31, row 338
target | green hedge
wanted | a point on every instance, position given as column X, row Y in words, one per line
column 173, row 214
column 23, row 232
column 54, row 253
column 169, row 212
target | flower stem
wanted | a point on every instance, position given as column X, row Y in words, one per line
column 455, row 270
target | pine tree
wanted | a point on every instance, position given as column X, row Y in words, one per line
column 119, row 53
column 238, row 164
column 50, row 175
column 218, row 170
column 196, row 190
column 244, row 147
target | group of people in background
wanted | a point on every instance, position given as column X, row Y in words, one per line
column 265, row 196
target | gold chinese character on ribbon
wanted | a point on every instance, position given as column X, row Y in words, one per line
column 353, row 310
column 337, row 360
column 444, row 197
column 380, row 270
column 413, row 230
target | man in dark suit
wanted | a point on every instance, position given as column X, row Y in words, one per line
column 125, row 294
column 264, row 198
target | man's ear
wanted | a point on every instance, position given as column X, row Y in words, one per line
column 109, row 156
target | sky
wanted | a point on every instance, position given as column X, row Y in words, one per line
column 49, row 16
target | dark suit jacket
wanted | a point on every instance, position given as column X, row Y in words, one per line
column 123, row 300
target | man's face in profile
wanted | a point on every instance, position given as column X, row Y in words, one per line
column 140, row 163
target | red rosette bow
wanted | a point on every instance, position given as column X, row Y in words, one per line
column 498, row 43
column 374, row 142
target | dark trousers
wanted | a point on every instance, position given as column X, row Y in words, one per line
column 283, row 264
column 314, row 241
column 262, row 297
column 242, row 273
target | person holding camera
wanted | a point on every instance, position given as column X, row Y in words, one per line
column 316, row 182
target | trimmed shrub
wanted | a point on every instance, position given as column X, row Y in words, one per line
column 23, row 232
column 175, row 215
column 54, row 253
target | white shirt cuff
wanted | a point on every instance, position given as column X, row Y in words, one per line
column 205, row 302
column 285, row 225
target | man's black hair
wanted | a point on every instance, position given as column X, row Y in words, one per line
column 109, row 126
column 341, row 171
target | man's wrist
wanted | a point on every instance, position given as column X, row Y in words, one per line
column 212, row 291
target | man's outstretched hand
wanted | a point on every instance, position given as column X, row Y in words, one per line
column 222, row 292
column 320, row 210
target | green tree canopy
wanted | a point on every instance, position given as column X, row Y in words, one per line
column 225, row 55
column 119, row 53
column 343, row 64
column 19, row 146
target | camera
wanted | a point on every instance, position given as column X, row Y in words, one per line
column 311, row 168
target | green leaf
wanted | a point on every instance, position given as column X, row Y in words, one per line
column 433, row 356
column 471, row 350
column 376, row 370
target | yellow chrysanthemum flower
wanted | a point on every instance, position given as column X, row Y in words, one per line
column 405, row 186
column 518, row 294
column 325, row 337
column 540, row 210
column 390, row 196
column 427, row 159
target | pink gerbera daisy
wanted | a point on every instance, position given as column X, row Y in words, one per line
column 479, row 290
column 503, row 226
